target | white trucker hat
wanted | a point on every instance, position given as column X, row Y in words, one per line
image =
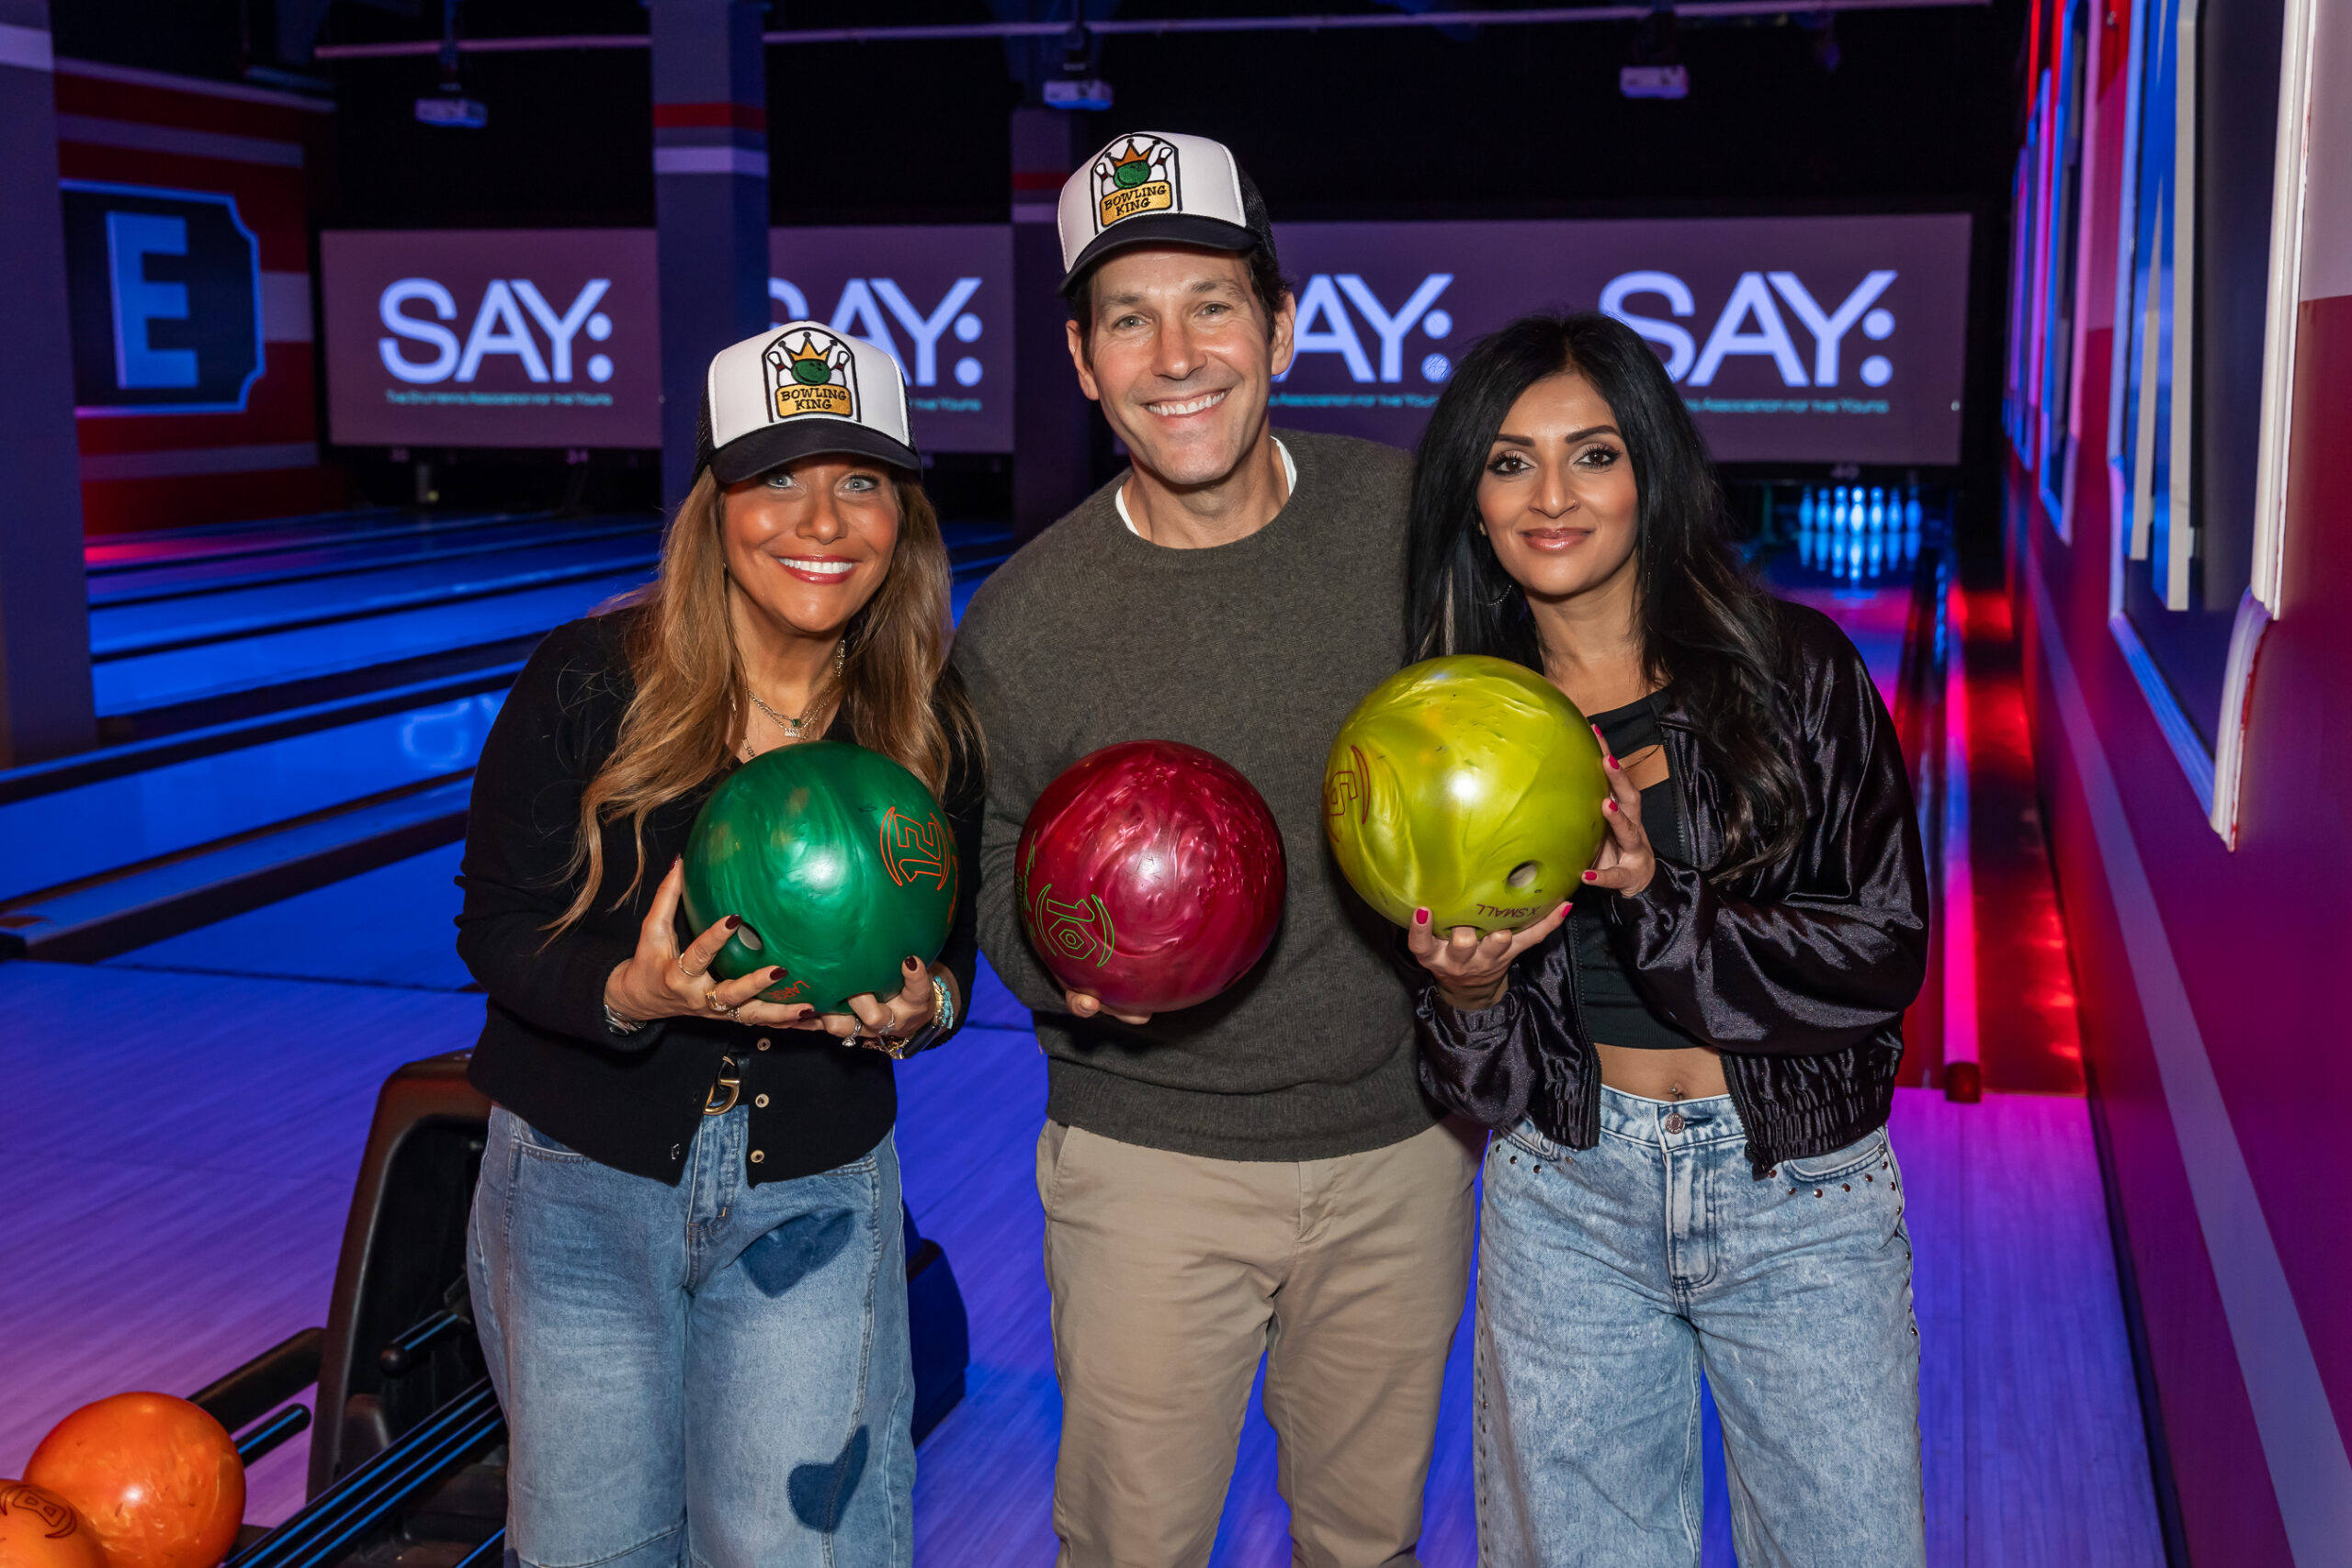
column 797, row 389
column 1145, row 189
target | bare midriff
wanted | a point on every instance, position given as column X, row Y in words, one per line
column 1692, row 1074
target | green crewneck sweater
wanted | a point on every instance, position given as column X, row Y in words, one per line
column 1256, row 651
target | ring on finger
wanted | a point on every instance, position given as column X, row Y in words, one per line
column 710, row 1001
column 689, row 973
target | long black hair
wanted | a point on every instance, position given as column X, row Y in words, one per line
column 1703, row 621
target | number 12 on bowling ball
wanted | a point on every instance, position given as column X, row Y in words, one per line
column 1151, row 876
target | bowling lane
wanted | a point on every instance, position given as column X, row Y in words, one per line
column 157, row 624
column 111, row 552
column 158, row 680
column 1876, row 615
column 392, row 926
column 331, row 558
column 73, row 833
column 131, row 681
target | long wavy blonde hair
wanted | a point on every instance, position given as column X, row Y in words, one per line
column 679, row 729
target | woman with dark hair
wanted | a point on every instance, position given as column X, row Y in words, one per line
column 687, row 1253
column 1691, row 1063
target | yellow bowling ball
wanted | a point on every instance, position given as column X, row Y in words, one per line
column 1468, row 786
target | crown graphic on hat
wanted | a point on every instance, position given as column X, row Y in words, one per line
column 796, row 390
column 1153, row 188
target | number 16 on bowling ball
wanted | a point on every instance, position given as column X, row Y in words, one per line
column 1150, row 876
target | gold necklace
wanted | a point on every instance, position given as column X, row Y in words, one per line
column 795, row 727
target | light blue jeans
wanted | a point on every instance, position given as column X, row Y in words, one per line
column 709, row 1373
column 1608, row 1278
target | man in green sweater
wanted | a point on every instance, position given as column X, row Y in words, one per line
column 1258, row 1174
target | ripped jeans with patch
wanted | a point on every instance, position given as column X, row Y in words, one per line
column 710, row 1375
column 1610, row 1278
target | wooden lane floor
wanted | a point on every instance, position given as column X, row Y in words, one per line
column 176, row 1151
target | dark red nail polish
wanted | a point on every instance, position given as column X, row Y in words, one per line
column 734, row 921
column 912, row 962
column 1592, row 876
column 776, row 972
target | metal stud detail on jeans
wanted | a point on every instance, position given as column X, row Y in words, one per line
column 1673, row 1121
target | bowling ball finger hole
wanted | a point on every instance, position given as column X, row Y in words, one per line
column 1525, row 875
column 747, row 937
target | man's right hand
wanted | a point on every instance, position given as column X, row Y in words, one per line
column 1085, row 1006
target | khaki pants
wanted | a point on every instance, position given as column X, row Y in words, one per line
column 1172, row 1273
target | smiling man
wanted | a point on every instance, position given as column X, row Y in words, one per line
column 1259, row 1175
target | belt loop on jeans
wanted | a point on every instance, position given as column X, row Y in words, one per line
column 731, row 1082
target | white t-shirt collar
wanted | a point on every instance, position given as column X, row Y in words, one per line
column 1290, row 484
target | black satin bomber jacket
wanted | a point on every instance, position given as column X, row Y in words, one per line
column 1799, row 975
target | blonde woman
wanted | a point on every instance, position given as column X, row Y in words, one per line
column 686, row 1250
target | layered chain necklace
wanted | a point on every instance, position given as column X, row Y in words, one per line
column 794, row 729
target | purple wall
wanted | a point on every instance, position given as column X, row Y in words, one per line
column 2210, row 975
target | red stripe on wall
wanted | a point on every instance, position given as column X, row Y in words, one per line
column 280, row 409
column 710, row 117
column 125, row 505
column 198, row 111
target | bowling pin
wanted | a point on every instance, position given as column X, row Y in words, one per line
column 1911, row 513
column 1804, row 510
column 1878, row 554
column 1878, row 509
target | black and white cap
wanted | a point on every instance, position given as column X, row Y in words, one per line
column 1146, row 188
column 796, row 391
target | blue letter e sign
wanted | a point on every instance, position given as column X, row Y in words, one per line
column 165, row 291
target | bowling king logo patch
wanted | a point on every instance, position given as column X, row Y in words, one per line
column 1138, row 176
column 811, row 371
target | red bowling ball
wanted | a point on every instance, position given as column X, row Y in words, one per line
column 1150, row 876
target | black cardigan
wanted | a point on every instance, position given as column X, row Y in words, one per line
column 1800, row 976
column 634, row 1102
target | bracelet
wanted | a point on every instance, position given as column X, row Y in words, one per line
column 942, row 1024
column 620, row 1025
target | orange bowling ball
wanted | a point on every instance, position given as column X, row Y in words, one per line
column 157, row 1480
column 40, row 1530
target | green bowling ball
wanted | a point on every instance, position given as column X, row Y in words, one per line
column 839, row 862
column 1468, row 786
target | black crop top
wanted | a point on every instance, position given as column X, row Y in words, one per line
column 1614, row 1012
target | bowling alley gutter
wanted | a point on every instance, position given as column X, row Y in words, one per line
column 1547, row 15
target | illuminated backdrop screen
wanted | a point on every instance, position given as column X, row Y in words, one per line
column 549, row 337
column 1792, row 339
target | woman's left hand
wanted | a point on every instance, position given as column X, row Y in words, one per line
column 880, row 1024
column 1627, row 862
